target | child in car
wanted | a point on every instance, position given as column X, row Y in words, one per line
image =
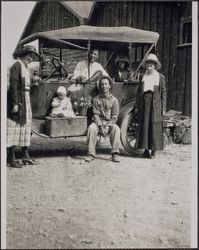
column 61, row 104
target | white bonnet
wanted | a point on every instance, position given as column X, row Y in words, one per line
column 61, row 89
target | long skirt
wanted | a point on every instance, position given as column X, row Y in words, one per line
column 150, row 135
column 19, row 135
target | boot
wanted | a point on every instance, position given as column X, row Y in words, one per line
column 146, row 154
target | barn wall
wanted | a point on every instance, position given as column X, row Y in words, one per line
column 165, row 18
column 51, row 15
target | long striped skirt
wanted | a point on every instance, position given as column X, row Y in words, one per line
column 150, row 134
column 19, row 135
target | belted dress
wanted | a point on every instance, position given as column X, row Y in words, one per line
column 19, row 123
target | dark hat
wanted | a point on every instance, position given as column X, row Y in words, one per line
column 122, row 58
column 22, row 50
column 105, row 77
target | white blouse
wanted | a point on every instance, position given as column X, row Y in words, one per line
column 25, row 72
column 151, row 80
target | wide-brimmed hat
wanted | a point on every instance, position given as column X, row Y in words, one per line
column 104, row 77
column 22, row 50
column 122, row 58
column 153, row 58
column 62, row 90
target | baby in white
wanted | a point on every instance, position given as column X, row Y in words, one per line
column 61, row 104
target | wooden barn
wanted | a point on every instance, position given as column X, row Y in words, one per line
column 173, row 21
column 51, row 15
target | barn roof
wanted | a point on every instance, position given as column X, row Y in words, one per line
column 80, row 9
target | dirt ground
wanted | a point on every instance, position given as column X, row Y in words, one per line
column 66, row 203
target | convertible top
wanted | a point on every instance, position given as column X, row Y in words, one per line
column 101, row 37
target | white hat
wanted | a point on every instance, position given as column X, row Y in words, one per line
column 153, row 58
column 61, row 89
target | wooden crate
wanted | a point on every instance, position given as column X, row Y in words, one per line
column 62, row 127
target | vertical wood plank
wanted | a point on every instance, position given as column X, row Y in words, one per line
column 181, row 77
column 147, row 16
column 188, row 84
column 48, row 15
column 171, row 91
column 114, row 22
column 129, row 14
column 117, row 7
column 160, row 30
column 153, row 19
column 166, row 43
column 59, row 15
column 125, row 14
column 134, row 15
column 140, row 16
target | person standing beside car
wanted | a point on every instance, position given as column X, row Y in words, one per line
column 19, row 114
column 150, row 107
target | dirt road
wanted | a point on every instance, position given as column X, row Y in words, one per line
column 65, row 202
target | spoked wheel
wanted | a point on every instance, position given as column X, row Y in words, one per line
column 129, row 128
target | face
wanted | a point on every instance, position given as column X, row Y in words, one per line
column 150, row 66
column 105, row 86
column 27, row 59
column 94, row 56
column 61, row 95
column 121, row 64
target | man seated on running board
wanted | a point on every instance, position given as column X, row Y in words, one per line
column 105, row 115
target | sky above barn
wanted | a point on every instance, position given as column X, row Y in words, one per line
column 15, row 15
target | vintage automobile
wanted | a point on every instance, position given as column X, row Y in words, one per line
column 138, row 43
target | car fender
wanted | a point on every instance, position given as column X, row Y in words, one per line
column 124, row 111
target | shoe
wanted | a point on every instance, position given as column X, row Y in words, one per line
column 14, row 164
column 146, row 154
column 153, row 154
column 115, row 157
column 30, row 162
column 90, row 158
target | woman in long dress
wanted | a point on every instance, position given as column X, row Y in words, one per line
column 151, row 105
column 19, row 114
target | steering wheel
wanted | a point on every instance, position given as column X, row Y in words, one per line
column 59, row 66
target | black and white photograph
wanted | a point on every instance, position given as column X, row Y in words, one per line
column 99, row 128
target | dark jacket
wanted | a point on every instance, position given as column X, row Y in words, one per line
column 124, row 76
column 159, row 99
column 16, row 94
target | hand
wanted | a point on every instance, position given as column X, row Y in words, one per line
column 163, row 112
column 106, row 130
column 84, row 80
column 36, row 80
column 15, row 109
column 102, row 131
column 79, row 79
